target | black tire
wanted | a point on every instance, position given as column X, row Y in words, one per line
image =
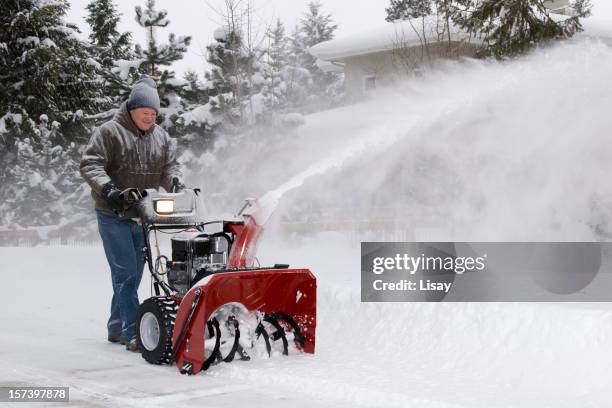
column 160, row 311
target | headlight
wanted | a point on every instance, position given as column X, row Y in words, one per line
column 164, row 207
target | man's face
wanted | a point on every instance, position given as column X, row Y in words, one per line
column 144, row 118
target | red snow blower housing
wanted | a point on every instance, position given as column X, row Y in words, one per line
column 216, row 306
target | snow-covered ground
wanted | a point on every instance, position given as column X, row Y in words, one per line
column 478, row 151
column 368, row 355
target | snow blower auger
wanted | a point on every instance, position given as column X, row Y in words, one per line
column 210, row 304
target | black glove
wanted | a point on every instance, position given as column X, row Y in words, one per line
column 177, row 185
column 113, row 197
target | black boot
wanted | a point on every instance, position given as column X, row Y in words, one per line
column 116, row 338
column 132, row 345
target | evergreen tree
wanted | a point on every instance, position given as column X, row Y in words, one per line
column 314, row 28
column 194, row 92
column 510, row 28
column 197, row 123
column 224, row 56
column 46, row 73
column 299, row 79
column 110, row 46
column 407, row 9
column 43, row 172
column 45, row 68
column 156, row 56
column 275, row 70
column 237, row 78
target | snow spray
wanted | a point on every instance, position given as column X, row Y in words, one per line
column 482, row 150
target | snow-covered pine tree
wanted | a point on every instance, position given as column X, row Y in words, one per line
column 197, row 123
column 45, row 68
column 43, row 172
column 11, row 137
column 195, row 92
column 151, row 19
column 223, row 78
column 406, row 9
column 110, row 46
column 298, row 79
column 510, row 28
column 47, row 73
column 314, row 28
column 154, row 59
column 275, row 71
column 221, row 55
column 236, row 79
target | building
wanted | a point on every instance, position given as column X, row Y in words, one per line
column 557, row 6
column 378, row 57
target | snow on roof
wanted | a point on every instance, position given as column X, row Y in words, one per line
column 329, row 66
column 385, row 38
column 410, row 33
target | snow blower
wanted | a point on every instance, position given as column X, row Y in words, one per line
column 209, row 303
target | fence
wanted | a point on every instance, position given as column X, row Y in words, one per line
column 31, row 237
column 354, row 231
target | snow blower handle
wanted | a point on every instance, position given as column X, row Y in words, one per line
column 248, row 202
column 177, row 186
column 130, row 195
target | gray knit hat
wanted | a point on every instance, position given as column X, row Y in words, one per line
column 144, row 94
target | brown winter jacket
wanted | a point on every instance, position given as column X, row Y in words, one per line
column 121, row 152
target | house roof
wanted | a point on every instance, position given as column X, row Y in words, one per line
column 385, row 38
column 410, row 33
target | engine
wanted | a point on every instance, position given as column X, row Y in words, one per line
column 194, row 256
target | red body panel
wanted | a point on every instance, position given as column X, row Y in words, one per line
column 243, row 249
column 292, row 291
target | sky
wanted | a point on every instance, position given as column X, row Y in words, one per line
column 199, row 19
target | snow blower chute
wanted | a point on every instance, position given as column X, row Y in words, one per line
column 210, row 304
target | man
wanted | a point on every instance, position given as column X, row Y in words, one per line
column 129, row 151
